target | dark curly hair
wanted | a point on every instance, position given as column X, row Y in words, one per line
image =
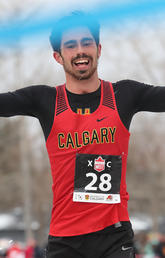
column 75, row 19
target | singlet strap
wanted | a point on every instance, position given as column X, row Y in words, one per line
column 108, row 100
column 61, row 104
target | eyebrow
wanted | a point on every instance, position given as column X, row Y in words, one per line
column 74, row 41
column 87, row 39
column 69, row 42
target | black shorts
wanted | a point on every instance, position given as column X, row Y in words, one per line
column 115, row 241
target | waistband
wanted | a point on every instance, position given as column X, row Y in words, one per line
column 121, row 225
column 125, row 225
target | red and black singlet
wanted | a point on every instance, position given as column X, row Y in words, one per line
column 81, row 146
column 88, row 155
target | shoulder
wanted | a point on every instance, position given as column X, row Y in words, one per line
column 131, row 87
column 35, row 92
column 39, row 88
column 130, row 84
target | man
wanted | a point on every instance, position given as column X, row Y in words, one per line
column 86, row 126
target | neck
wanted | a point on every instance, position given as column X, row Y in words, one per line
column 82, row 86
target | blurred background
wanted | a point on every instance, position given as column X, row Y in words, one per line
column 131, row 49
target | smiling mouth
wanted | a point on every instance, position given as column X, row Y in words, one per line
column 82, row 64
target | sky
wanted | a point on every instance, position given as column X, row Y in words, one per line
column 36, row 17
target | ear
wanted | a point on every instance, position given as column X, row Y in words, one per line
column 99, row 50
column 58, row 57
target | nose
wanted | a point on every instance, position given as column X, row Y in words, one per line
column 80, row 48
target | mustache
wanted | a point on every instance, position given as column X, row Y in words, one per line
column 81, row 56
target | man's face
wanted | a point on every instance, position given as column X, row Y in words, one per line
column 79, row 53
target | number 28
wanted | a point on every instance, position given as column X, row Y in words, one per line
column 105, row 182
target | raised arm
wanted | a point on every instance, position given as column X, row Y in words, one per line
column 19, row 102
column 152, row 98
column 132, row 97
column 36, row 101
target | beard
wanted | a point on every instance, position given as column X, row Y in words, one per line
column 81, row 74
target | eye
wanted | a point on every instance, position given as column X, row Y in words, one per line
column 70, row 46
column 87, row 43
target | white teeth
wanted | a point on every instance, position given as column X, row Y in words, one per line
column 82, row 61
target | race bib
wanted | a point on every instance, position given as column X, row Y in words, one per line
column 97, row 178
